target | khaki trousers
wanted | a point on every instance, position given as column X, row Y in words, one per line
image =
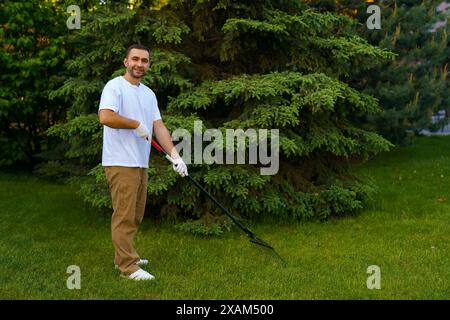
column 128, row 187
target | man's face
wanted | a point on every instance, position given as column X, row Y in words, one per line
column 137, row 63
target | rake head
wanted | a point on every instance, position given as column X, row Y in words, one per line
column 254, row 239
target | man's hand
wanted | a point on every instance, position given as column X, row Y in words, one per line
column 180, row 167
column 164, row 138
column 142, row 131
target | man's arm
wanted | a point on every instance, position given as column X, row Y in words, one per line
column 164, row 138
column 114, row 120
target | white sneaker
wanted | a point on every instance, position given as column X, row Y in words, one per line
column 139, row 275
column 141, row 262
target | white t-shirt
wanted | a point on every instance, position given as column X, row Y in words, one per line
column 123, row 147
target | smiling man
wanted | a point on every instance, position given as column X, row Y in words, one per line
column 129, row 112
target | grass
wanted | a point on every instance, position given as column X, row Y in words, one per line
column 45, row 228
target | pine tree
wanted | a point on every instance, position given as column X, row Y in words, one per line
column 242, row 64
column 415, row 85
column 32, row 56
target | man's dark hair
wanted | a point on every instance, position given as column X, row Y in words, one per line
column 137, row 46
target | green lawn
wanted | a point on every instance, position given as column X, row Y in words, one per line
column 44, row 228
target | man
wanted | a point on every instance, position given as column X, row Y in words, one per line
column 129, row 112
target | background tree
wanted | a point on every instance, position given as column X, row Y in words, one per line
column 32, row 55
column 236, row 64
column 414, row 85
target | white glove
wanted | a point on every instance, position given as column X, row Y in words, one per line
column 142, row 131
column 180, row 167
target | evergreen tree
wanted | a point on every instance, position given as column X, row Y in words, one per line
column 415, row 85
column 32, row 55
column 238, row 64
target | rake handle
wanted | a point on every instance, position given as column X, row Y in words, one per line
column 214, row 200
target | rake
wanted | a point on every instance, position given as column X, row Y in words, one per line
column 253, row 237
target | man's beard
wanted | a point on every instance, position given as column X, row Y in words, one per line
column 136, row 73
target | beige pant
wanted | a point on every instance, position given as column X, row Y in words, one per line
column 128, row 187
